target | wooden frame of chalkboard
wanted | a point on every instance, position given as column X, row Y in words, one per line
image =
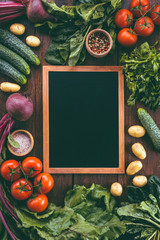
column 120, row 168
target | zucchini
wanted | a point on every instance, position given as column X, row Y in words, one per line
column 11, row 72
column 14, row 59
column 150, row 126
column 14, row 43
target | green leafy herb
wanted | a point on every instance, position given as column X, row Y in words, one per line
column 73, row 24
column 12, row 142
column 142, row 74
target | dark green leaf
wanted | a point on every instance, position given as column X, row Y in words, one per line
column 154, row 187
column 136, row 194
column 76, row 46
column 57, row 53
column 3, row 153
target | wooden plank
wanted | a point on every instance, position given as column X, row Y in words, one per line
column 64, row 182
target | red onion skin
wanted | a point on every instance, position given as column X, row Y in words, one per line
column 19, row 107
column 36, row 12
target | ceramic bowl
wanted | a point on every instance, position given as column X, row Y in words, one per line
column 29, row 149
column 100, row 55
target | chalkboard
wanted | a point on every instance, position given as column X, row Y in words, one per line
column 83, row 119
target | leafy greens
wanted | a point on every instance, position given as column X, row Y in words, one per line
column 142, row 216
column 72, row 26
column 142, row 74
column 88, row 214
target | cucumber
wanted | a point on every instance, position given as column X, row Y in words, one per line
column 150, row 126
column 14, row 59
column 11, row 41
column 11, row 72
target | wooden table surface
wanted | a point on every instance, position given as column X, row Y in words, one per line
column 151, row 165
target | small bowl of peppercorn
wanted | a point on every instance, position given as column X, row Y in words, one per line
column 98, row 43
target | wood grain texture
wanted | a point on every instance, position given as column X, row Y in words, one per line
column 151, row 164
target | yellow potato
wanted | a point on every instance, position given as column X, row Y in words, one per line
column 134, row 167
column 9, row 87
column 139, row 150
column 139, row 181
column 33, row 41
column 136, row 131
column 116, row 189
column 17, row 28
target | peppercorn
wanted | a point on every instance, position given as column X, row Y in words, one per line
column 98, row 42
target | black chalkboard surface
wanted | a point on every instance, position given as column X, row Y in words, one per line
column 83, row 120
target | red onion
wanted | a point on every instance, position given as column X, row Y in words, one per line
column 19, row 108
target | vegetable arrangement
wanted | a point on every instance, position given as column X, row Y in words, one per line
column 72, row 26
column 142, row 72
column 88, row 213
column 22, row 188
column 19, row 108
column 143, row 26
column 13, row 9
column 142, row 216
column 13, row 56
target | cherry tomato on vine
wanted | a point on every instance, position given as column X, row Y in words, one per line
column 155, row 14
column 123, row 18
column 38, row 203
column 44, row 182
column 139, row 7
column 144, row 26
column 21, row 189
column 31, row 166
column 127, row 37
column 10, row 170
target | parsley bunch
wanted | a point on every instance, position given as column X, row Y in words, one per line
column 142, row 72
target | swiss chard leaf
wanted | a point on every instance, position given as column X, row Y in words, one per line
column 77, row 47
column 154, row 187
column 136, row 194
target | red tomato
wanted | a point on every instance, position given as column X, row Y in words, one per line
column 31, row 166
column 123, row 18
column 38, row 204
column 44, row 182
column 127, row 37
column 10, row 170
column 21, row 189
column 144, row 26
column 155, row 14
column 139, row 7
